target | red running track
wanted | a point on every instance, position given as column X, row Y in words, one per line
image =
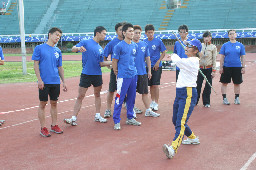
column 227, row 133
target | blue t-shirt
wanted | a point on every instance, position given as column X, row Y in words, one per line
column 155, row 46
column 142, row 53
column 179, row 50
column 232, row 53
column 1, row 54
column 50, row 58
column 108, row 50
column 92, row 57
column 125, row 53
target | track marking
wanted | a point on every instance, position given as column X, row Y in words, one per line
column 33, row 107
column 67, row 100
column 29, row 121
column 249, row 162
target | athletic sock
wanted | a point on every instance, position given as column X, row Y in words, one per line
column 97, row 115
column 74, row 118
column 236, row 95
column 224, row 96
column 149, row 110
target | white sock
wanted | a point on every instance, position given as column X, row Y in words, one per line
column 97, row 115
column 149, row 110
column 74, row 118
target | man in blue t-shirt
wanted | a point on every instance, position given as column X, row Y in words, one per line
column 123, row 63
column 232, row 65
column 178, row 49
column 92, row 61
column 48, row 69
column 142, row 55
column 108, row 51
column 156, row 47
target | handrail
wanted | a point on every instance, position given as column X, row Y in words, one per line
column 156, row 32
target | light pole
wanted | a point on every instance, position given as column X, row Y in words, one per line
column 22, row 36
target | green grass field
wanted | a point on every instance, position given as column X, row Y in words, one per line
column 11, row 72
column 31, row 54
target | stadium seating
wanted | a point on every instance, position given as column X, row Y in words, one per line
column 82, row 16
column 221, row 14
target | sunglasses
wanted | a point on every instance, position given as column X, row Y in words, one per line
column 189, row 46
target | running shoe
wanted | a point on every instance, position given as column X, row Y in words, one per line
column 117, row 126
column 44, row 132
column 137, row 110
column 151, row 114
column 225, row 101
column 56, row 129
column 100, row 119
column 237, row 101
column 133, row 122
column 207, row 105
column 107, row 113
column 189, row 141
column 70, row 121
column 169, row 151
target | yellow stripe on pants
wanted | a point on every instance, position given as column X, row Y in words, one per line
column 177, row 142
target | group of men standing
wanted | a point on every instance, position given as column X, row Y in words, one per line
column 129, row 57
column 135, row 65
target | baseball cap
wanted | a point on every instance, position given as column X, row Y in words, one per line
column 196, row 43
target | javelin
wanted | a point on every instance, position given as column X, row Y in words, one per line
column 199, row 69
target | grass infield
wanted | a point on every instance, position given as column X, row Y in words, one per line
column 11, row 72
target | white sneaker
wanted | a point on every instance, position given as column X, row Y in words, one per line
column 117, row 126
column 151, row 114
column 137, row 110
column 70, row 121
column 225, row 101
column 207, row 105
column 133, row 122
column 237, row 101
column 107, row 113
column 189, row 141
column 155, row 107
column 169, row 151
column 100, row 119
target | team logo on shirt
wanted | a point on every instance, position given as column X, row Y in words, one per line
column 154, row 47
column 56, row 55
column 143, row 49
column 134, row 51
column 237, row 47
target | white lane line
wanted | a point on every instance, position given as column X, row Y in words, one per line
column 22, row 123
column 33, row 107
column 67, row 100
column 249, row 162
column 59, row 113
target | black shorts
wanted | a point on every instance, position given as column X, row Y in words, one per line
column 156, row 76
column 88, row 80
column 231, row 72
column 112, row 82
column 53, row 90
column 142, row 84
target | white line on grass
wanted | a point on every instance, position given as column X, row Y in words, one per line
column 249, row 162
